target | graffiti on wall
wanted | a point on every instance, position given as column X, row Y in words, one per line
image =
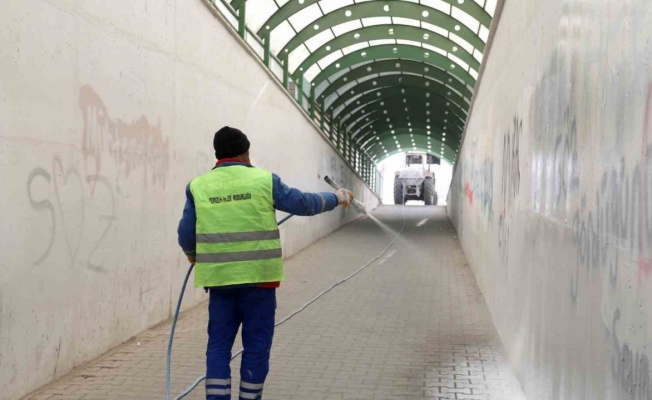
column 510, row 183
column 565, row 177
column 82, row 215
column 79, row 201
column 133, row 146
column 620, row 223
column 479, row 186
column 630, row 368
column 511, row 167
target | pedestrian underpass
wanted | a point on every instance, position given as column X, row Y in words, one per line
column 539, row 281
column 369, row 338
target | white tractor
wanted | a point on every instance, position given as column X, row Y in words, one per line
column 416, row 181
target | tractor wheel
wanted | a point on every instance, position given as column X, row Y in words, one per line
column 436, row 198
column 429, row 194
column 398, row 191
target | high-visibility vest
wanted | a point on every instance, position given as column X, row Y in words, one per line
column 238, row 240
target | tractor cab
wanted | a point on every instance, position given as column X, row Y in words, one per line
column 416, row 181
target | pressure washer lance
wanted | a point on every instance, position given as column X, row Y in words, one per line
column 358, row 206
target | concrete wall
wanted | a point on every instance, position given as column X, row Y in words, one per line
column 107, row 111
column 552, row 198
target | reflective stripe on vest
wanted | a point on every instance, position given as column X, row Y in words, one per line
column 238, row 241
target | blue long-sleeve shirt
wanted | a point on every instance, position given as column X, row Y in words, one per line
column 286, row 199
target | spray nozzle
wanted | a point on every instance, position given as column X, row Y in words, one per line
column 358, row 206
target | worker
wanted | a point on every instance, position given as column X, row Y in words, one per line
column 229, row 230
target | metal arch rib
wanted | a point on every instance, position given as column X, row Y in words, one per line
column 436, row 117
column 390, row 66
column 404, row 81
column 378, row 32
column 388, row 138
column 414, row 125
column 397, row 110
column 375, row 147
column 375, row 9
column 396, row 93
column 398, row 51
column 429, row 123
column 292, row 7
column 393, row 152
column 387, row 135
column 389, row 126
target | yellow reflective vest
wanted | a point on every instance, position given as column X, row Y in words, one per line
column 238, row 240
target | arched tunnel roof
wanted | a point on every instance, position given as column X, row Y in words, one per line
column 393, row 75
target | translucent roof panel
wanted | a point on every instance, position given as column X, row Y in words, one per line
column 282, row 34
column 466, row 19
column 264, row 9
column 349, row 26
column 305, row 17
column 418, row 52
column 438, row 5
column 437, row 29
column 319, row 40
column 332, row 5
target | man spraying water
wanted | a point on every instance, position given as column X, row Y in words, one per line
column 229, row 232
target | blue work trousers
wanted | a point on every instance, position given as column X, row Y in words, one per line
column 254, row 308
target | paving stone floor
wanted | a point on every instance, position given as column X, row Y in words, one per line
column 413, row 325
